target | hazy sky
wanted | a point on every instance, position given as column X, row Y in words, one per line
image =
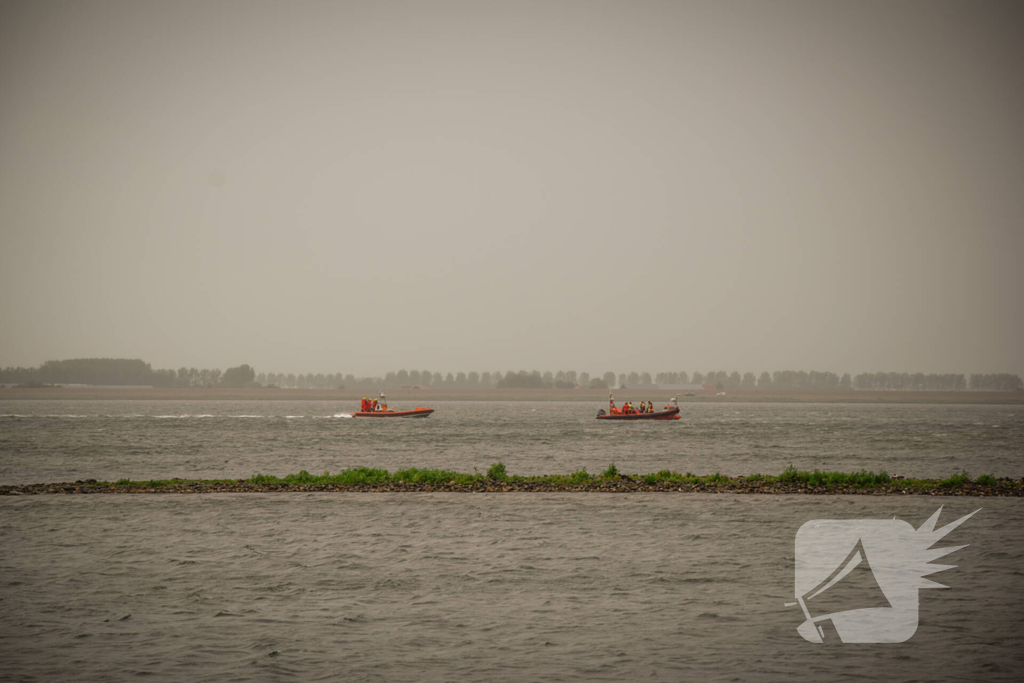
column 368, row 186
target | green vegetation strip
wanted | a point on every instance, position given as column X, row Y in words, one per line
column 497, row 478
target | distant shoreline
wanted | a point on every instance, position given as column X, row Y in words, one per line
column 599, row 397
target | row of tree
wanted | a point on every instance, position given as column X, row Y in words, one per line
column 241, row 376
column 780, row 380
column 101, row 371
column 120, row 371
column 903, row 381
column 1000, row 381
column 124, row 372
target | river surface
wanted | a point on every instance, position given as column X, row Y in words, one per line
column 481, row 587
column 49, row 441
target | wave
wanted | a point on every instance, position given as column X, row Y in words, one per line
column 13, row 415
column 178, row 417
column 165, row 417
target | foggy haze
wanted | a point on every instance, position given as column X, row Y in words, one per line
column 368, row 186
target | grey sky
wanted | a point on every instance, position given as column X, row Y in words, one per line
column 367, row 186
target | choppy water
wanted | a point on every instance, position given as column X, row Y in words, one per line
column 481, row 587
column 44, row 441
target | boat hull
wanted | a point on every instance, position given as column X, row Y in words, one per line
column 419, row 412
column 670, row 414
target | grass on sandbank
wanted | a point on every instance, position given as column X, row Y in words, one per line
column 497, row 474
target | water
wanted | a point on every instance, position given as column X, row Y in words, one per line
column 482, row 587
column 46, row 441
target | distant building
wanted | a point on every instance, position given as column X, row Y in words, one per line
column 415, row 386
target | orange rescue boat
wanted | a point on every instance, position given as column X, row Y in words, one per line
column 670, row 412
column 382, row 410
column 418, row 412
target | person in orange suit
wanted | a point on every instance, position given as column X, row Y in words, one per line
column 611, row 407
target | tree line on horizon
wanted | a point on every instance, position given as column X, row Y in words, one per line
column 124, row 372
column 135, row 372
